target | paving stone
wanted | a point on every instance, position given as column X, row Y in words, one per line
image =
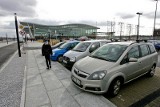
column 89, row 100
column 36, row 96
column 32, row 71
column 61, row 98
column 62, row 74
column 51, row 81
column 72, row 89
column 34, row 80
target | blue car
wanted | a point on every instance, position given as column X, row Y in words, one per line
column 58, row 52
column 156, row 44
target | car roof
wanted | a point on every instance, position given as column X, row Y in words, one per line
column 72, row 41
column 127, row 43
column 97, row 40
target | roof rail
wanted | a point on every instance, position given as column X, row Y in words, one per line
column 141, row 40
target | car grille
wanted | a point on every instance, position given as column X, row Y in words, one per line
column 80, row 73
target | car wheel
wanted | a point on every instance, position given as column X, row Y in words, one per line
column 151, row 71
column 60, row 59
column 115, row 87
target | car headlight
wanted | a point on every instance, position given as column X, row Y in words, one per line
column 98, row 75
column 53, row 53
column 73, row 59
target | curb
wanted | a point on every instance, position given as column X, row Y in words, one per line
column 23, row 95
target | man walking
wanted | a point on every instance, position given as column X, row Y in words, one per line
column 47, row 51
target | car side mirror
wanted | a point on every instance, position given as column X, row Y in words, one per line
column 133, row 59
column 91, row 50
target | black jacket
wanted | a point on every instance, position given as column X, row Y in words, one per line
column 46, row 49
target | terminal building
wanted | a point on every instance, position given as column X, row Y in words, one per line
column 59, row 31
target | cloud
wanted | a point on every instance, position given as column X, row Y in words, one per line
column 125, row 15
column 150, row 15
column 24, row 8
column 54, row 22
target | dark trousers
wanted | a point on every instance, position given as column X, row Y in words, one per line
column 48, row 60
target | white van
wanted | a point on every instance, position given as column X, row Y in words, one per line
column 82, row 50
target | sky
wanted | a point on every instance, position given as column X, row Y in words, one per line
column 93, row 12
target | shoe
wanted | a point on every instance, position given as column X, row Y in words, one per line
column 50, row 66
column 47, row 68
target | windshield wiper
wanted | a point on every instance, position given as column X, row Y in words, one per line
column 110, row 60
column 78, row 50
column 97, row 57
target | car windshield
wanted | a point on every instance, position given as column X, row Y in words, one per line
column 109, row 52
column 58, row 44
column 81, row 47
column 65, row 45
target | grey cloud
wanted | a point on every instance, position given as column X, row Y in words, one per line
column 125, row 15
column 150, row 15
column 43, row 22
column 93, row 23
column 11, row 25
column 24, row 8
column 49, row 22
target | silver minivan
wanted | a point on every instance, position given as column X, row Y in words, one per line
column 114, row 64
column 82, row 50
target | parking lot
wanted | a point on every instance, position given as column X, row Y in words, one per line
column 144, row 91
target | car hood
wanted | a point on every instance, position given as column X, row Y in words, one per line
column 58, row 50
column 90, row 65
column 71, row 54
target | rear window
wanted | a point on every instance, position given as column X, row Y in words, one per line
column 152, row 49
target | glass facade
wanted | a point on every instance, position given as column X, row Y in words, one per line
column 68, row 30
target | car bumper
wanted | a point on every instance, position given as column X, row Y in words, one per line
column 94, row 86
column 68, row 63
column 54, row 58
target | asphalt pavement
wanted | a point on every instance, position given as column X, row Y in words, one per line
column 6, row 51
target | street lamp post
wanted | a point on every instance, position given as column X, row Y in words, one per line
column 155, row 17
column 138, row 23
column 16, row 25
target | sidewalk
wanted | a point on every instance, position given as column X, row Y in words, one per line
column 54, row 88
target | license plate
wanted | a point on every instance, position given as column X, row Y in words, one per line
column 64, row 61
column 76, row 80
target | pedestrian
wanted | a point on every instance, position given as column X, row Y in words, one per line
column 47, row 51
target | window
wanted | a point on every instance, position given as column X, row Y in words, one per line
column 144, row 50
column 94, row 46
column 109, row 52
column 134, row 52
column 81, row 47
column 152, row 49
column 104, row 42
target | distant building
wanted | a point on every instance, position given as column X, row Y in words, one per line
column 156, row 33
column 59, row 31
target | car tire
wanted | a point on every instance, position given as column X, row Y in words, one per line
column 60, row 59
column 115, row 87
column 152, row 71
